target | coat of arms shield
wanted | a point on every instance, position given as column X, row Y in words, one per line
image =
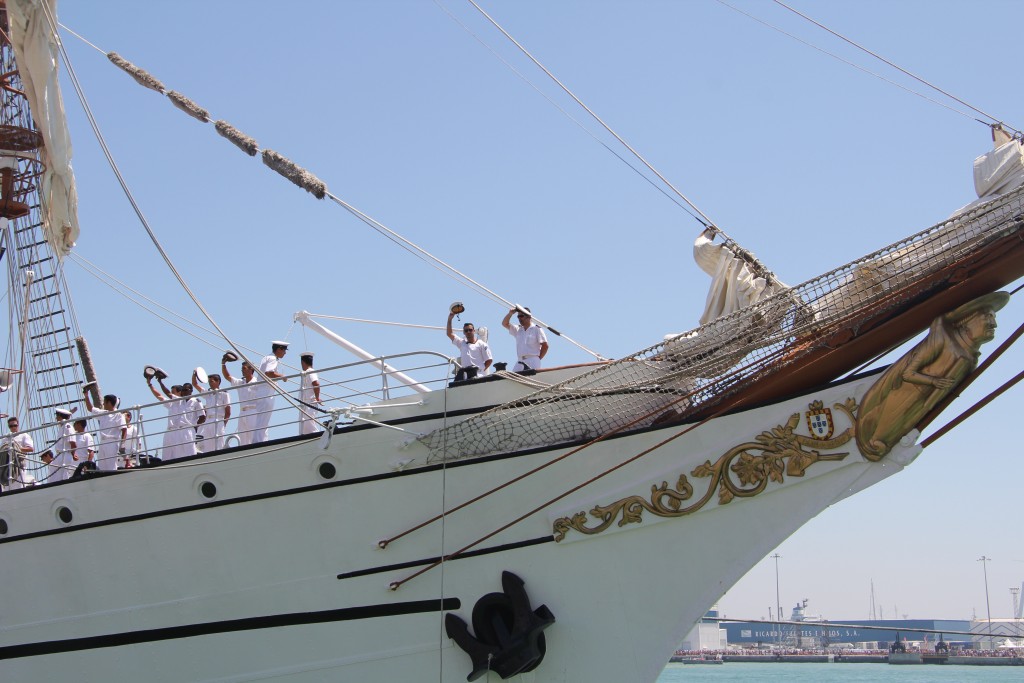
column 819, row 422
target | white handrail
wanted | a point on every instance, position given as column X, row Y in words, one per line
column 303, row 317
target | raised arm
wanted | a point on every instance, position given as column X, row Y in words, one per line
column 159, row 396
column 506, row 321
column 163, row 387
column 224, row 369
column 448, row 329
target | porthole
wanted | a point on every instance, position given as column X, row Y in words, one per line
column 3, row 527
column 208, row 489
column 327, row 470
column 65, row 515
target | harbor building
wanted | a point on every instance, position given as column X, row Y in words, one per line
column 848, row 633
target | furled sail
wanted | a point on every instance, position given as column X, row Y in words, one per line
column 37, row 56
column 998, row 171
column 698, row 371
column 734, row 284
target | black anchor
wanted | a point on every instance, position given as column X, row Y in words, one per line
column 509, row 635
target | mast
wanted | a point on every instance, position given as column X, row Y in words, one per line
column 42, row 331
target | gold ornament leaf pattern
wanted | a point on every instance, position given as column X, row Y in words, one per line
column 744, row 471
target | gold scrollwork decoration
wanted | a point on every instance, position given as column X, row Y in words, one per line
column 743, row 471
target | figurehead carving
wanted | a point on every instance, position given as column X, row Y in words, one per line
column 914, row 384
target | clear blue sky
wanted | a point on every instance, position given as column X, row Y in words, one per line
column 801, row 158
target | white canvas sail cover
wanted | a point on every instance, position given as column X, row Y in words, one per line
column 734, row 285
column 1000, row 170
column 37, row 55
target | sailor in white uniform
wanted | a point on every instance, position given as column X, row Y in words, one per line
column 131, row 445
column 195, row 416
column 112, row 429
column 475, row 357
column 21, row 447
column 84, row 446
column 246, row 400
column 218, row 412
column 178, row 442
column 62, row 464
column 531, row 342
column 265, row 392
column 309, row 395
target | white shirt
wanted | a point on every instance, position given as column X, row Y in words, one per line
column 193, row 411
column 476, row 354
column 246, row 390
column 61, row 445
column 263, row 389
column 83, row 444
column 216, row 402
column 131, row 438
column 22, row 445
column 307, row 393
column 23, row 441
column 528, row 341
column 110, row 424
column 175, row 412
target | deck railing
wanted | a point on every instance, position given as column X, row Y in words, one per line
column 343, row 390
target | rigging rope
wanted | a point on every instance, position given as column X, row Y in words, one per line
column 893, row 65
column 99, row 274
column 295, row 174
column 51, row 20
column 848, row 62
column 967, row 381
column 372, row 322
column 705, row 221
column 708, row 224
column 661, row 409
column 395, row 585
column 567, row 115
column 955, row 422
column 438, row 263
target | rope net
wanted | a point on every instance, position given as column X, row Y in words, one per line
column 697, row 370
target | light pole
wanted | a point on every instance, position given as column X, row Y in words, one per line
column 1015, row 592
column 984, row 562
column 778, row 606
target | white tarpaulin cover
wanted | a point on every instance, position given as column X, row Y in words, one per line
column 999, row 171
column 733, row 283
column 37, row 55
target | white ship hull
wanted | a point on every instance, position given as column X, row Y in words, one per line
column 279, row 575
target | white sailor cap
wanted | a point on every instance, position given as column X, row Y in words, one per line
column 61, row 412
column 306, row 354
column 278, row 342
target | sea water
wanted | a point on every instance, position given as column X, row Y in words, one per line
column 839, row 673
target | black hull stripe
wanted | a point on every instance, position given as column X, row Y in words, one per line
column 301, row 489
column 462, row 556
column 230, row 626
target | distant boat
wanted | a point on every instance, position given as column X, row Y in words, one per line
column 696, row 659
